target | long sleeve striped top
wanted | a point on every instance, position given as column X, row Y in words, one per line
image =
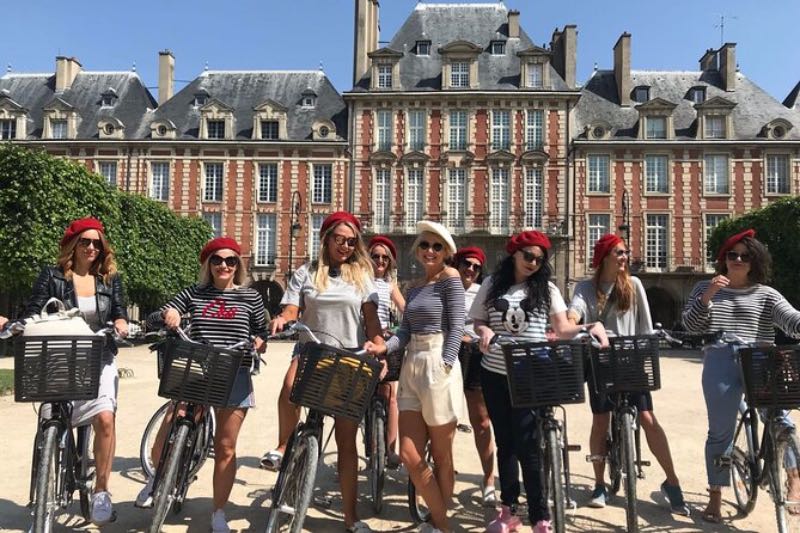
column 433, row 308
column 751, row 313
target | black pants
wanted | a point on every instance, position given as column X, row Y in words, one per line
column 518, row 445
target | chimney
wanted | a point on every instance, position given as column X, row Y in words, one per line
column 366, row 36
column 709, row 60
column 727, row 66
column 513, row 24
column 563, row 46
column 166, row 76
column 622, row 69
column 67, row 69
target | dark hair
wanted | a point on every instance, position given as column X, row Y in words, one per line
column 537, row 284
column 760, row 261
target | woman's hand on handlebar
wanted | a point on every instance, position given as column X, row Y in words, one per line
column 172, row 319
column 598, row 331
column 277, row 324
column 259, row 344
column 121, row 327
column 3, row 322
column 374, row 348
column 486, row 335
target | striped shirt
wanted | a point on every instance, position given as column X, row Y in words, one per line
column 435, row 307
column 384, row 290
column 506, row 316
column 222, row 317
column 750, row 313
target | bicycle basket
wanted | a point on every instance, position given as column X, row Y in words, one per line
column 629, row 364
column 545, row 374
column 198, row 373
column 771, row 376
column 335, row 382
column 57, row 369
column 394, row 362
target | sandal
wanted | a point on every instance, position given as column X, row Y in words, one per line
column 711, row 516
column 674, row 495
column 272, row 460
column 359, row 527
column 488, row 495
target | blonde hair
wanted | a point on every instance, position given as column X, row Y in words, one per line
column 104, row 266
column 206, row 278
column 357, row 270
column 391, row 269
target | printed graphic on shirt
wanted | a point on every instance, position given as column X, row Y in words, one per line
column 218, row 309
column 515, row 317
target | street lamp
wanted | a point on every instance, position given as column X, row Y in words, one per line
column 625, row 227
column 294, row 227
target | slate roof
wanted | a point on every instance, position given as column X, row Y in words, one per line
column 37, row 91
column 793, row 99
column 243, row 91
column 441, row 24
column 754, row 107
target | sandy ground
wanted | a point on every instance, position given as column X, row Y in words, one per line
column 679, row 406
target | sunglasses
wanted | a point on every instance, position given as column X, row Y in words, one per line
column 230, row 261
column 744, row 257
column 620, row 253
column 531, row 257
column 341, row 240
column 380, row 258
column 469, row 265
column 425, row 246
column 84, row 242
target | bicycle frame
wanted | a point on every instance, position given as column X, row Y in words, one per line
column 191, row 417
column 622, row 406
column 547, row 420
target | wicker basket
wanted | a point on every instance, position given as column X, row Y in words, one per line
column 394, row 362
column 771, row 376
column 629, row 364
column 545, row 373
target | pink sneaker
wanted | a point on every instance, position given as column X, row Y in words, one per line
column 505, row 521
column 542, row 526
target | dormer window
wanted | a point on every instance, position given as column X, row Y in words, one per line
column 216, row 129
column 536, row 75
column 200, row 99
column 308, row 99
column 384, row 76
column 269, row 130
column 698, row 95
column 534, row 68
column 656, row 127
column 641, row 94
column 655, row 119
column 498, row 48
column 58, row 129
column 715, row 127
column 108, row 98
column 776, row 129
column 714, row 118
column 459, row 74
column 423, row 48
column 8, row 129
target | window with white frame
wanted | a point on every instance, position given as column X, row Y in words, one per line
column 416, row 130
column 501, row 130
column 323, row 184
column 715, row 174
column 458, row 130
column 313, row 242
column 777, row 174
column 655, row 170
column 641, row 94
column 656, row 127
column 8, row 129
column 498, row 48
column 268, row 182
column 383, row 199
column 656, row 241
column 598, row 178
column 459, row 74
column 108, row 169
column 269, row 130
column 423, row 48
column 384, row 76
column 698, row 95
column 534, row 129
column 457, row 197
column 384, row 130
column 214, row 220
column 58, row 129
column 715, row 127
column 500, row 198
column 159, row 181
column 535, row 75
column 712, row 221
column 533, row 197
column 415, row 197
column 216, row 129
column 212, row 189
column 266, row 237
column 598, row 224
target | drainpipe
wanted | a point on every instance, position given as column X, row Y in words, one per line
column 567, row 198
column 128, row 171
column 351, row 196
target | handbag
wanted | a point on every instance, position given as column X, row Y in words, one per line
column 63, row 323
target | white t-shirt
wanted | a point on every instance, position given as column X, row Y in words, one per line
column 469, row 298
column 507, row 317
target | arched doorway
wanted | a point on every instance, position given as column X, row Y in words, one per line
column 271, row 292
column 663, row 307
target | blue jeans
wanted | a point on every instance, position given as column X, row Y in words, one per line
column 723, row 390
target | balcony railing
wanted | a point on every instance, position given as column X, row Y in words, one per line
column 459, row 225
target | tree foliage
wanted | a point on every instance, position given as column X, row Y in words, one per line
column 778, row 227
column 40, row 195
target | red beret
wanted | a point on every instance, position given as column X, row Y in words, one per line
column 472, row 252
column 220, row 243
column 525, row 239
column 77, row 227
column 337, row 217
column 382, row 240
column 602, row 247
column 731, row 242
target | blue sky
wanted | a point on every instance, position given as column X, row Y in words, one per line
column 301, row 34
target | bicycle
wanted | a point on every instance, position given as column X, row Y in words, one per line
column 330, row 381
column 771, row 377
column 56, row 371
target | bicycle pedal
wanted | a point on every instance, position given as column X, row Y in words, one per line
column 574, row 448
column 323, row 501
column 463, row 428
column 286, row 509
column 595, row 458
column 643, row 463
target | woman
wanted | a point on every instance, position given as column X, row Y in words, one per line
column 86, row 277
column 519, row 300
column 429, row 393
column 737, row 301
column 223, row 313
column 384, row 266
column 337, row 297
column 618, row 301
column 469, row 261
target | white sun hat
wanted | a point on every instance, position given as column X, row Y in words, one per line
column 438, row 230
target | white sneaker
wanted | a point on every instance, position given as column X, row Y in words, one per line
column 219, row 524
column 102, row 508
column 144, row 500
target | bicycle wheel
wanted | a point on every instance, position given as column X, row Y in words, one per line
column 295, row 486
column 149, row 439
column 555, row 480
column 164, row 492
column 743, row 467
column 85, row 469
column 629, row 467
column 416, row 505
column 377, row 457
column 787, row 452
column 614, row 455
column 44, row 506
